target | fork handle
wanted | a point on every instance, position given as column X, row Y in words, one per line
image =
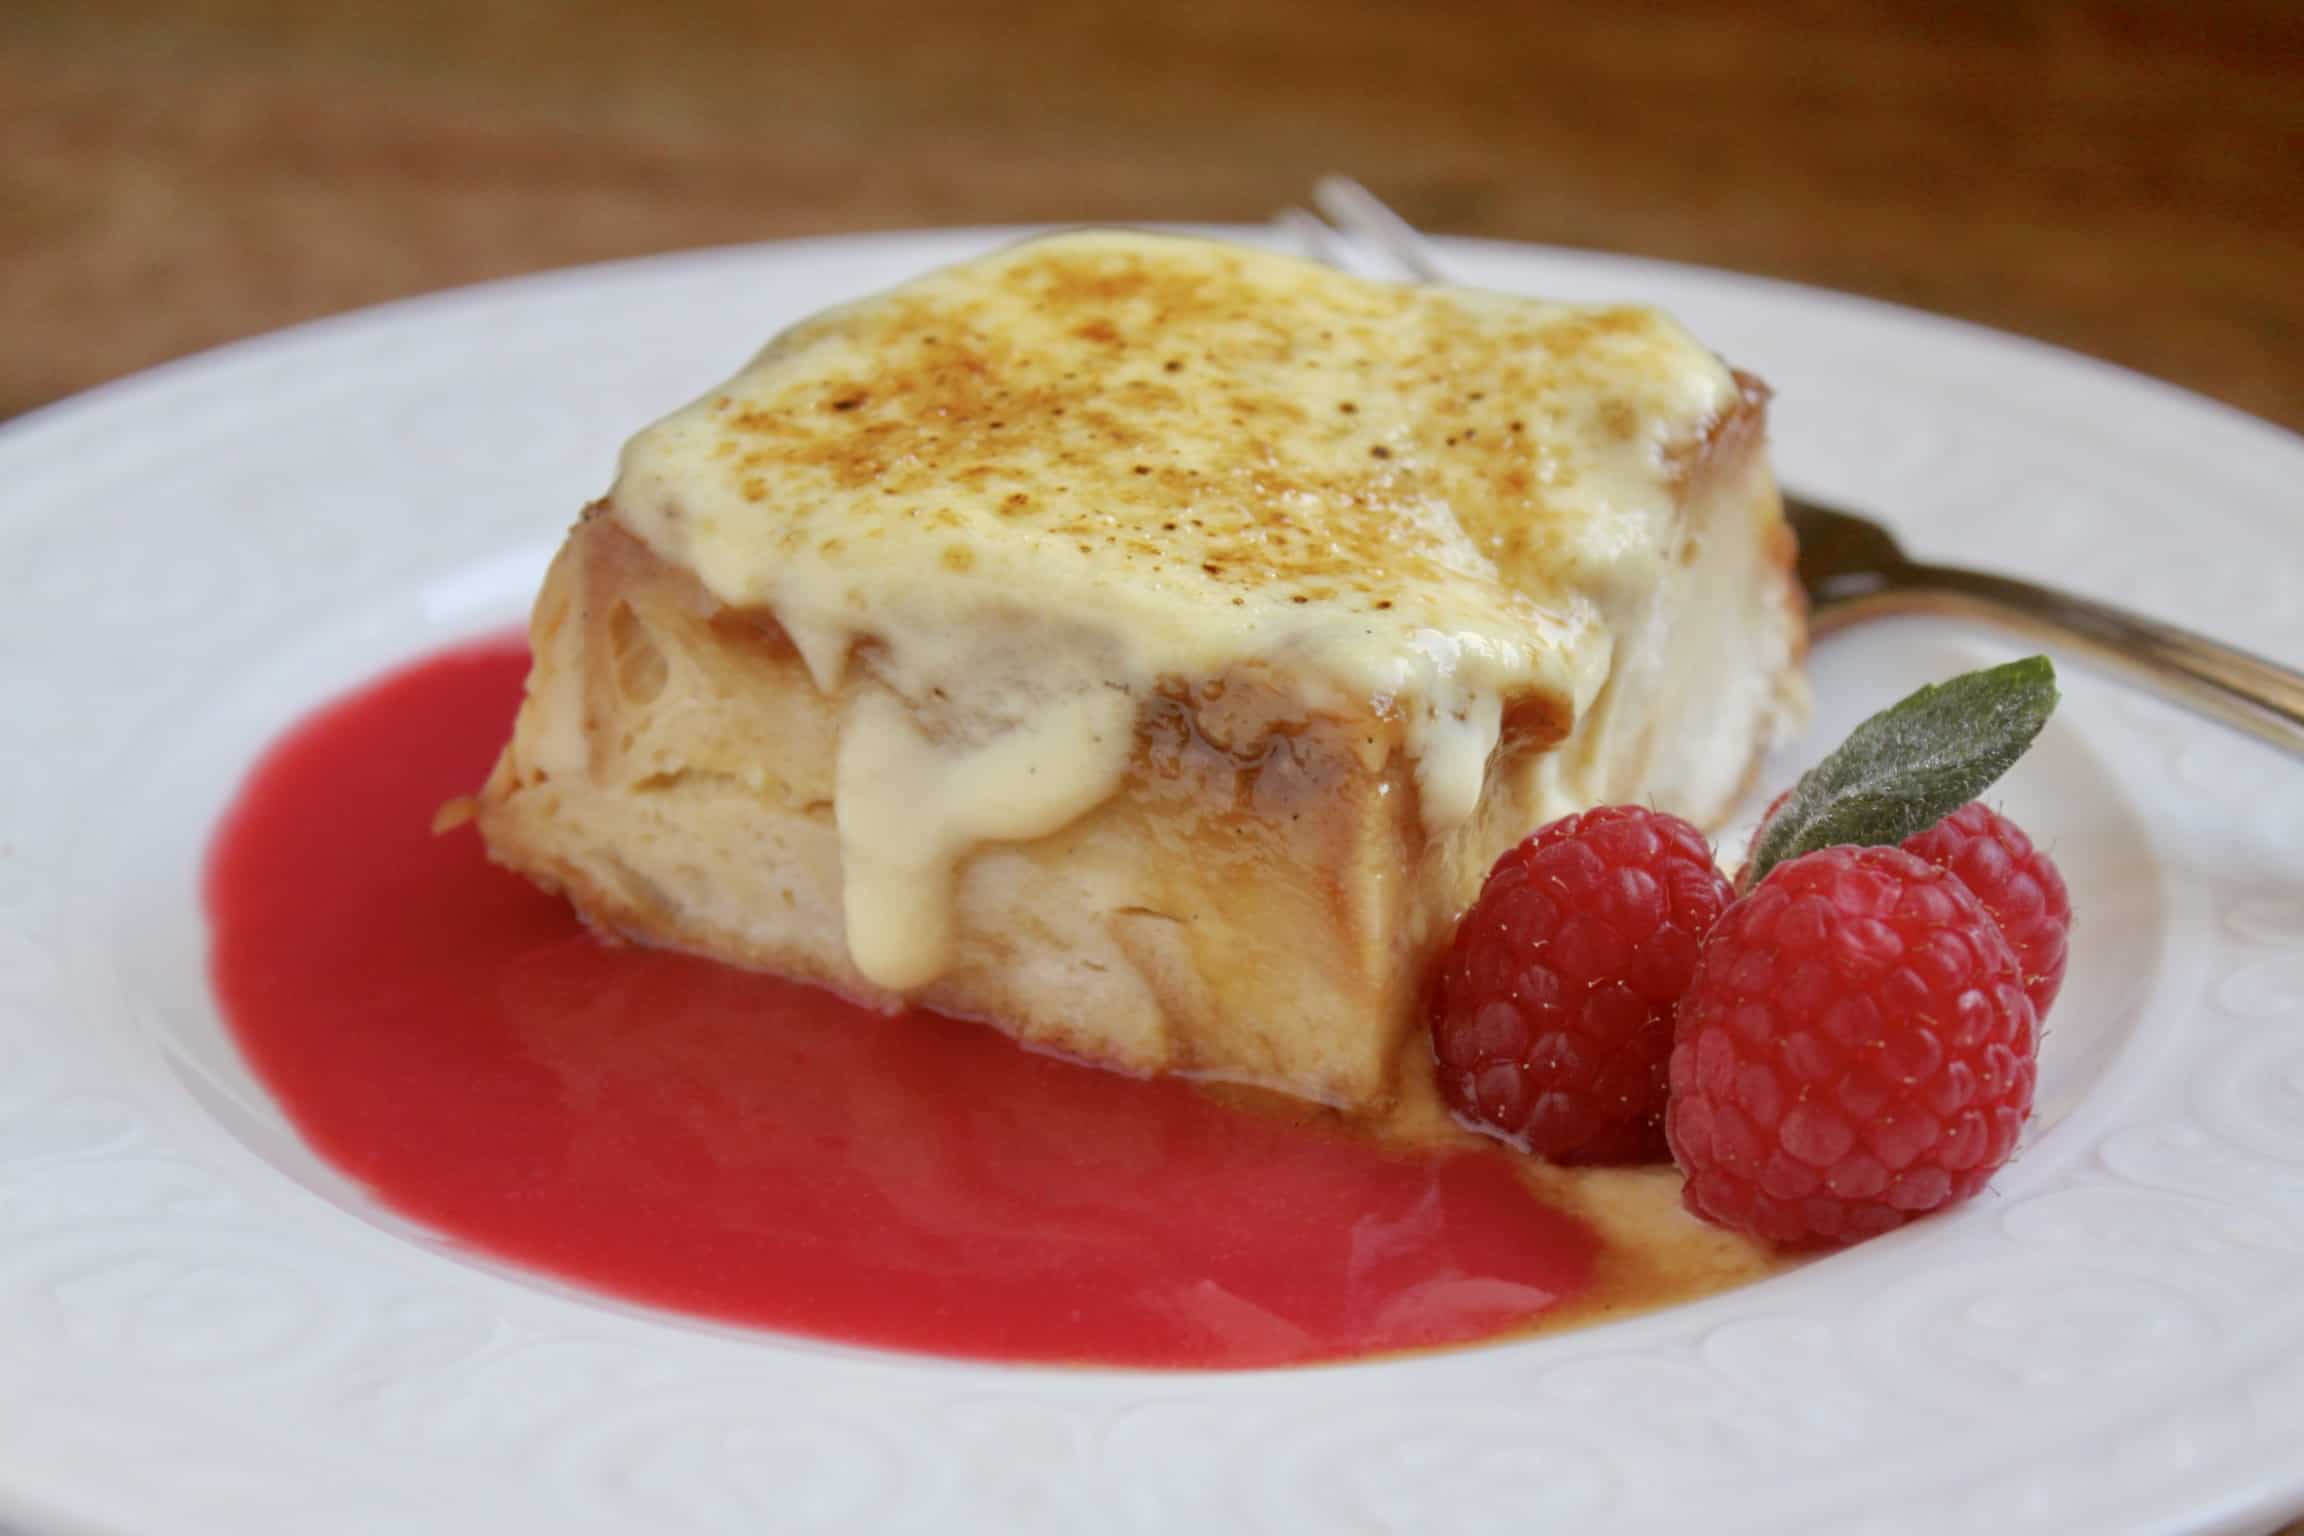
column 2223, row 682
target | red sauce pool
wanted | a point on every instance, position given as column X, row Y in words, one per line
column 746, row 1149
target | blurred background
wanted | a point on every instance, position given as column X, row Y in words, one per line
column 2124, row 178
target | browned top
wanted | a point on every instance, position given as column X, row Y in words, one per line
column 1195, row 434
column 1178, row 405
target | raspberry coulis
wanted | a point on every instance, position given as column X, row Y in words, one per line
column 754, row 1151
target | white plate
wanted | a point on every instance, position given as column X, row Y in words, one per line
column 203, row 1329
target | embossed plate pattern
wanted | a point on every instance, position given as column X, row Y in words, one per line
column 202, row 1328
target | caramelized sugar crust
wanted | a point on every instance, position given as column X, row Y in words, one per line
column 1211, row 419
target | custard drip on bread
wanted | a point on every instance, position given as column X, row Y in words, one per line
column 1003, row 508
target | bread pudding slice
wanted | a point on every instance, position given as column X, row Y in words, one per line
column 1147, row 644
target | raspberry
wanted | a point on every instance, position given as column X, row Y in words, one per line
column 1552, row 1009
column 2017, row 883
column 1856, row 1049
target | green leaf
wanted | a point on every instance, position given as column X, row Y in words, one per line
column 1914, row 763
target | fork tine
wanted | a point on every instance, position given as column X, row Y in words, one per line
column 1314, row 238
column 1325, row 242
column 1364, row 216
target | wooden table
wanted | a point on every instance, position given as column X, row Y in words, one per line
column 2127, row 179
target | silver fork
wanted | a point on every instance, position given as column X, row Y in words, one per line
column 1853, row 568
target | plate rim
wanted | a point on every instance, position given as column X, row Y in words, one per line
column 130, row 392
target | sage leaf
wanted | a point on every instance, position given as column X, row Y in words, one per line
column 1913, row 764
